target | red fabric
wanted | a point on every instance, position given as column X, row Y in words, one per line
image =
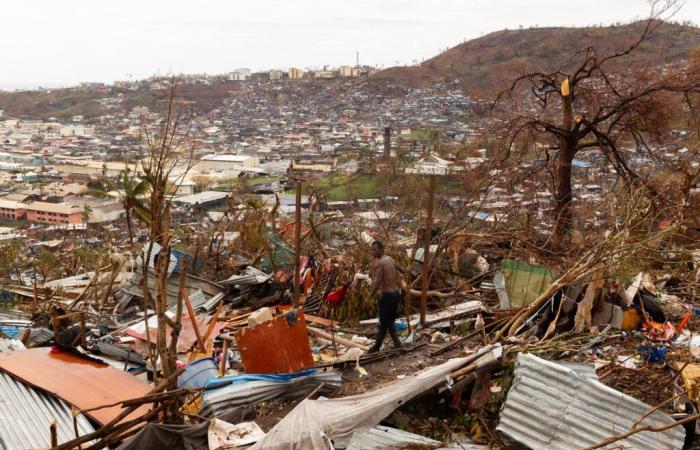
column 337, row 296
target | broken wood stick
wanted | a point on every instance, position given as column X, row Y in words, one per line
column 193, row 318
column 54, row 434
column 224, row 358
column 339, row 340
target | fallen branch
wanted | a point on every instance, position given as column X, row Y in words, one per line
column 653, row 429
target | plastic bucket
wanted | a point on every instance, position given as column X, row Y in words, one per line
column 197, row 373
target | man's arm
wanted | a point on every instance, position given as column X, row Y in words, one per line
column 401, row 270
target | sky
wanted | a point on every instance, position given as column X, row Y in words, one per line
column 63, row 42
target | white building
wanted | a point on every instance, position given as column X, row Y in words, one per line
column 77, row 130
column 275, row 74
column 241, row 74
column 431, row 165
column 226, row 162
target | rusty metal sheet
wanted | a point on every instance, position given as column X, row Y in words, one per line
column 280, row 345
column 81, row 382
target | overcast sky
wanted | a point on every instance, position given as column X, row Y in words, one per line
column 60, row 42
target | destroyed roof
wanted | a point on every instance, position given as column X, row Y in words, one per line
column 209, row 288
column 82, row 382
column 201, row 198
column 381, row 437
column 10, row 345
column 250, row 276
column 554, row 407
column 251, row 389
column 26, row 415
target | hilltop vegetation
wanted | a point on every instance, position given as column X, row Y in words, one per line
column 64, row 103
column 484, row 65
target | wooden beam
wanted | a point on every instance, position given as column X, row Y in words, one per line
column 193, row 319
column 341, row 341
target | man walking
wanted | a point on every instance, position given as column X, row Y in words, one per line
column 385, row 281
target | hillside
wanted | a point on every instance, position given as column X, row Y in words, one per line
column 65, row 103
column 484, row 65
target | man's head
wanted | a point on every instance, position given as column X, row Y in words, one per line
column 377, row 248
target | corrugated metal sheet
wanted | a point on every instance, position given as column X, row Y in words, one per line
column 463, row 446
column 292, row 352
column 583, row 369
column 26, row 414
column 10, row 345
column 13, row 314
column 172, row 262
column 209, row 288
column 382, row 438
column 551, row 406
column 253, row 392
column 212, row 303
column 250, row 277
column 119, row 353
column 40, row 336
column 79, row 381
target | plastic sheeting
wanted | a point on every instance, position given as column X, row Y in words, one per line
column 313, row 424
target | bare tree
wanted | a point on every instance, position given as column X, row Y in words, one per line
column 585, row 105
column 168, row 155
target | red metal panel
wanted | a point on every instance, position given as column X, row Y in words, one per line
column 275, row 346
column 82, row 382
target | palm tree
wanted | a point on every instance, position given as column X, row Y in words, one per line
column 87, row 211
column 131, row 199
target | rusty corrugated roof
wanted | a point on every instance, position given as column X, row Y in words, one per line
column 81, row 382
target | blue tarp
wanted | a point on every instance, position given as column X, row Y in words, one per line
column 11, row 332
column 217, row 383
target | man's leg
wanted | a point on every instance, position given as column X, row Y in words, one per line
column 394, row 304
column 382, row 325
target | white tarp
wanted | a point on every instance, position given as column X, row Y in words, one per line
column 313, row 424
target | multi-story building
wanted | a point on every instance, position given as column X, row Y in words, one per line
column 295, row 74
column 41, row 212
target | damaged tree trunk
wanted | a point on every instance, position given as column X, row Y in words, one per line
column 567, row 144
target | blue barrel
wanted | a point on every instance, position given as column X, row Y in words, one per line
column 198, row 373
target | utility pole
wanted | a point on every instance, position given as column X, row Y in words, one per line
column 297, row 245
column 387, row 143
column 428, row 238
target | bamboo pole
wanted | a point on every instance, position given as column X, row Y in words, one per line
column 426, row 249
